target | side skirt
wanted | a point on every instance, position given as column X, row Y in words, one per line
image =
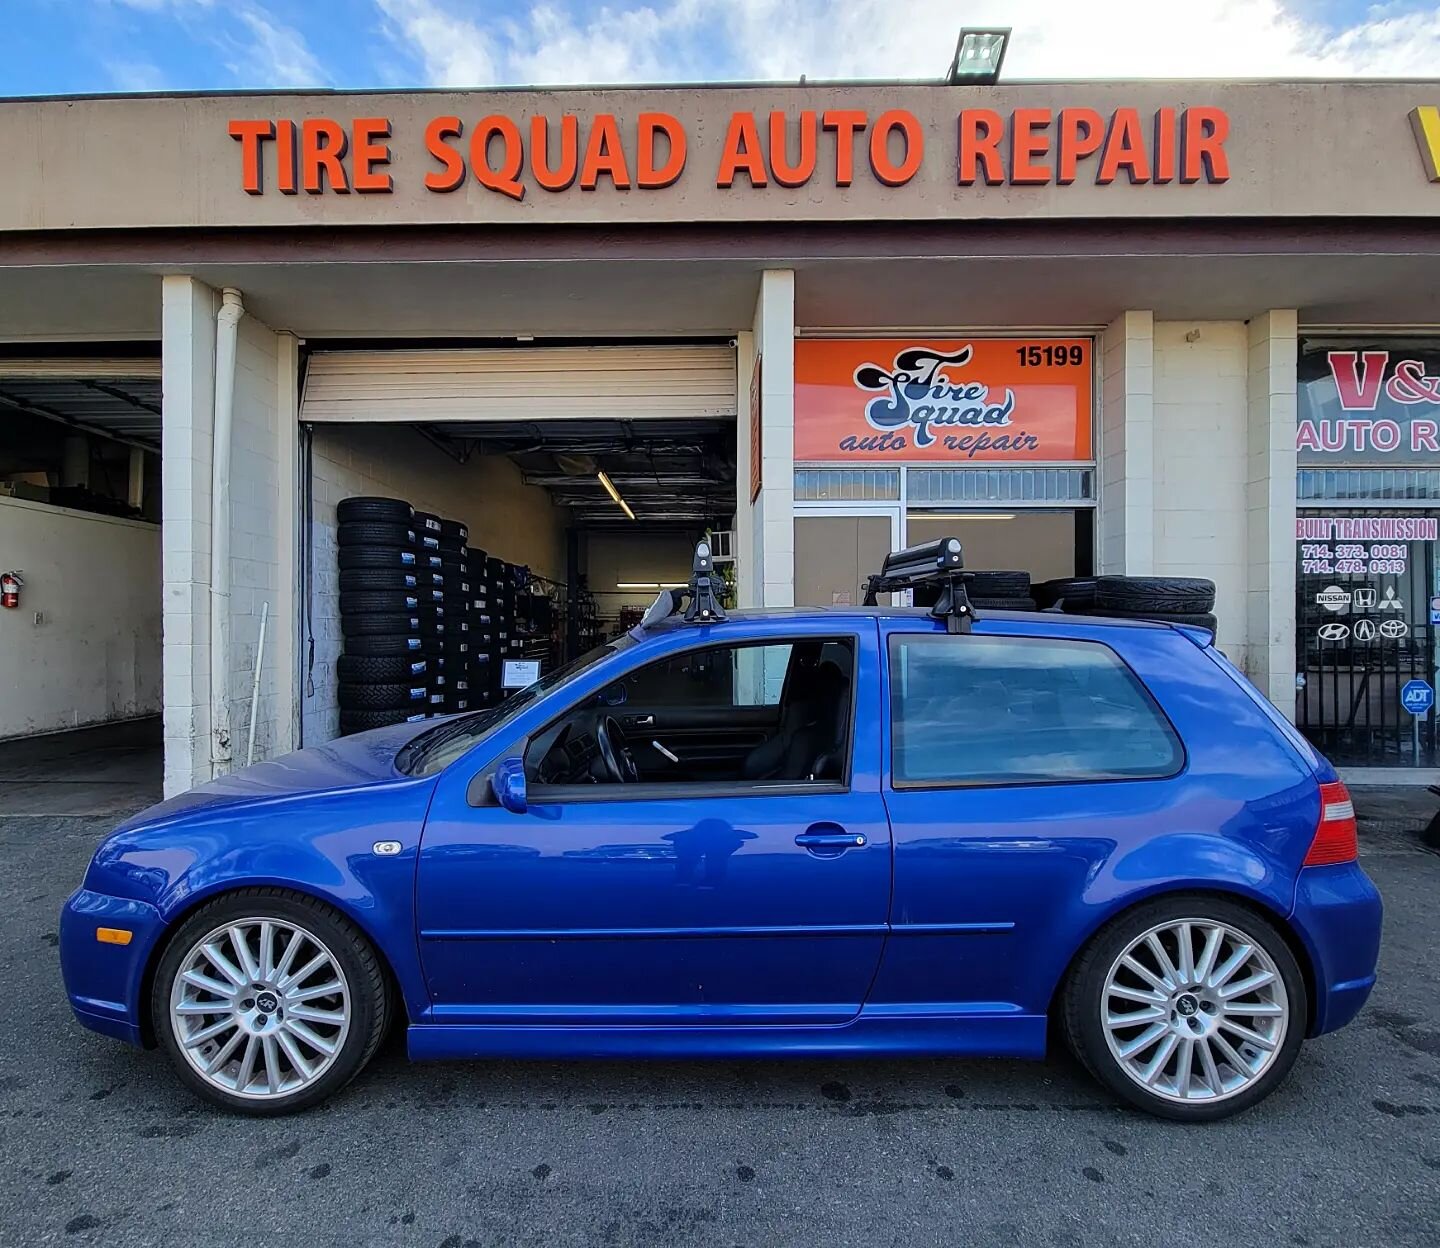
column 893, row 1035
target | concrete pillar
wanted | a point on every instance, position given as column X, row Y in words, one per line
column 773, row 518
column 188, row 373
column 747, row 574
column 1270, row 505
column 1127, row 446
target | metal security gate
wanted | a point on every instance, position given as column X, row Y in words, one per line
column 1364, row 615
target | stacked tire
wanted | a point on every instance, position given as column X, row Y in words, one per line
column 455, row 635
column 1167, row 599
column 480, row 657
column 1000, row 591
column 384, row 665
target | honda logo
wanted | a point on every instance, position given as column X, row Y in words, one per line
column 1334, row 632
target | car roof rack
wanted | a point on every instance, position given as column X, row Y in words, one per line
column 703, row 594
column 939, row 564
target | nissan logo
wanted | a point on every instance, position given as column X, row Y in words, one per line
column 1334, row 632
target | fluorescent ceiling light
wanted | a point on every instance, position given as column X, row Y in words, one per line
column 651, row 584
column 978, row 56
column 615, row 494
column 962, row 515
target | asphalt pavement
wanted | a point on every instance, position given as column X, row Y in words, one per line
column 100, row 1145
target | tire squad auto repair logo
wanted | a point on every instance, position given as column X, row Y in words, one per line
column 897, row 401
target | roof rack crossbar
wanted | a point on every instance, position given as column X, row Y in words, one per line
column 706, row 589
column 940, row 564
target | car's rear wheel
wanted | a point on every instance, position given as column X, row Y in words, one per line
column 268, row 1002
column 1191, row 1008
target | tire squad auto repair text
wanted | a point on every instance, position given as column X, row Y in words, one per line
column 507, row 155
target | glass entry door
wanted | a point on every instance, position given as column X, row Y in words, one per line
column 836, row 553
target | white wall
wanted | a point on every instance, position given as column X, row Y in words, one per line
column 506, row 518
column 771, row 582
column 95, row 654
column 1201, row 441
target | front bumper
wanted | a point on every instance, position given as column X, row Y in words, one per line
column 103, row 981
column 1338, row 913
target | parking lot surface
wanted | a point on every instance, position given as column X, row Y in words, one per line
column 100, row 1144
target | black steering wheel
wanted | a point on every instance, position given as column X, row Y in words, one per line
column 615, row 752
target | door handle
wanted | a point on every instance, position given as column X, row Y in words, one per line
column 830, row 838
column 638, row 721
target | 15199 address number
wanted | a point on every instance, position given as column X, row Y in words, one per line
column 1055, row 353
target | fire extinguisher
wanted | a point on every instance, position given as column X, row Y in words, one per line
column 10, row 583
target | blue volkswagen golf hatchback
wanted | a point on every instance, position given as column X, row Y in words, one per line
column 884, row 830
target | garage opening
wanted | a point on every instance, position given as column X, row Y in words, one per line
column 80, row 530
column 561, row 486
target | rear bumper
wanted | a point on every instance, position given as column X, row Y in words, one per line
column 1337, row 914
column 104, row 982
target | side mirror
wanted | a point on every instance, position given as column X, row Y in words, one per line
column 508, row 785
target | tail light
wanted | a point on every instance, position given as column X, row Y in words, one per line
column 1335, row 839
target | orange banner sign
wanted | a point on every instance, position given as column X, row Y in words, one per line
column 953, row 401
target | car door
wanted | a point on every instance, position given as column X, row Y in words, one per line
column 698, row 901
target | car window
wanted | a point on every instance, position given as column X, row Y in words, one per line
column 718, row 677
column 433, row 751
column 1021, row 710
column 744, row 714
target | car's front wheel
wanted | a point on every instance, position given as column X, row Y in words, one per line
column 1190, row 1007
column 268, row 1002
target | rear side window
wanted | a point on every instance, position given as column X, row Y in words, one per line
column 967, row 710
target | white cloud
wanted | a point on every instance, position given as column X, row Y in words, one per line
column 135, row 76
column 277, row 55
column 455, row 52
column 686, row 40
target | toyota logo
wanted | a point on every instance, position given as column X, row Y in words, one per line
column 1394, row 628
column 1334, row 632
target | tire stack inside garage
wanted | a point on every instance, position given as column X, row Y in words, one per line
column 384, row 666
column 1168, row 599
column 454, row 635
column 480, row 640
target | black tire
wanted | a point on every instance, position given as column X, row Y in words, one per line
column 1198, row 619
column 1183, row 594
column 353, row 557
column 379, row 624
column 367, row 721
column 1004, row 604
column 400, row 601
column 1072, row 593
column 394, row 646
column 428, row 521
column 352, row 950
column 383, row 510
column 394, row 579
column 455, row 531
column 372, row 533
column 362, row 669
column 397, row 697
column 1082, row 1001
column 998, row 584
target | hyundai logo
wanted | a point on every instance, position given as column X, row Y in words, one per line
column 1334, row 632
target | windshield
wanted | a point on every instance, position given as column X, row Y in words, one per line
column 431, row 752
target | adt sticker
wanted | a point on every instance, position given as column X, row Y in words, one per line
column 1417, row 697
column 1435, row 610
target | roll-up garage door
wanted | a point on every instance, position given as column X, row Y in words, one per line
column 542, row 383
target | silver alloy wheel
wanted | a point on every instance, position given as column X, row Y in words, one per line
column 1194, row 1010
column 260, row 1007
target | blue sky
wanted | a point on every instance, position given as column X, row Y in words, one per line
column 65, row 46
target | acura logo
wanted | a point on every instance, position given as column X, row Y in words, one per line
column 1334, row 632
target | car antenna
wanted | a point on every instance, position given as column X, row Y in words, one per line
column 939, row 564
